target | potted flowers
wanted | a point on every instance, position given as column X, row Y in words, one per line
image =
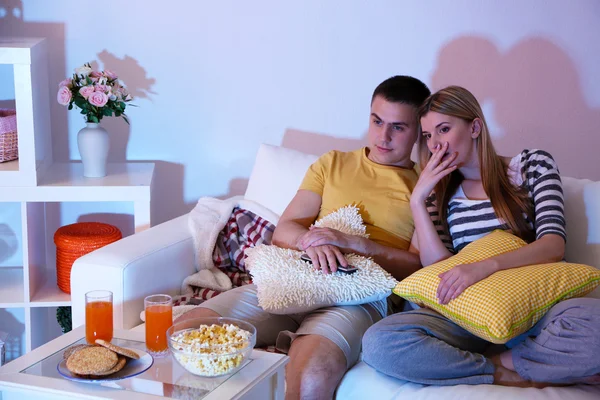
column 97, row 94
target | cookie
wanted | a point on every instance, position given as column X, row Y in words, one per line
column 69, row 351
column 119, row 366
column 118, row 349
column 92, row 360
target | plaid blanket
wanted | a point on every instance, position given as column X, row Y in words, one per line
column 243, row 230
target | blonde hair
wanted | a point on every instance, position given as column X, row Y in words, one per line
column 509, row 201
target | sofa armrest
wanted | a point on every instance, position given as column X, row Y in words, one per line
column 150, row 262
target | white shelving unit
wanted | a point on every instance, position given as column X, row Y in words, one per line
column 35, row 182
column 28, row 58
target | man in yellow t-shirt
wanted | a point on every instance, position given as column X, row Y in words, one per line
column 324, row 343
column 379, row 179
column 381, row 192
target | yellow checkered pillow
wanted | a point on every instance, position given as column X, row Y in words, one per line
column 507, row 303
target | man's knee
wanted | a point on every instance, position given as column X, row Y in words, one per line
column 318, row 350
column 316, row 366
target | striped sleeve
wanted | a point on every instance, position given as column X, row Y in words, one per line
column 542, row 178
column 430, row 203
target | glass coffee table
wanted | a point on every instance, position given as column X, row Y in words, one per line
column 35, row 376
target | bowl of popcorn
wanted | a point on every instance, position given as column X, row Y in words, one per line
column 211, row 346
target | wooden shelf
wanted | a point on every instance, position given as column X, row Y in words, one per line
column 11, row 287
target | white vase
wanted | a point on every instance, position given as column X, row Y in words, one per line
column 93, row 143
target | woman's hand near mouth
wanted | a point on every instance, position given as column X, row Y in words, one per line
column 438, row 166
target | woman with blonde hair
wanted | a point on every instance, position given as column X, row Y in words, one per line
column 465, row 191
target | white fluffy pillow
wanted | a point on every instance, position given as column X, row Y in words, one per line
column 288, row 285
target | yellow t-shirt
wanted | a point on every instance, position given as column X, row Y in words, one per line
column 381, row 192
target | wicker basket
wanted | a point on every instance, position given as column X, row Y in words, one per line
column 9, row 145
column 75, row 240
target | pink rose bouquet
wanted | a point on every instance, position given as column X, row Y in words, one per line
column 97, row 93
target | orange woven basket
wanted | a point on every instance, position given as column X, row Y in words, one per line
column 75, row 240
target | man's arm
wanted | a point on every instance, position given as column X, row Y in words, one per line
column 399, row 263
column 295, row 220
column 293, row 225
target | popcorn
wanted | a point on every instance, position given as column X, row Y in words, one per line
column 217, row 349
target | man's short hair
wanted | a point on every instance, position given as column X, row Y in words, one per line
column 402, row 89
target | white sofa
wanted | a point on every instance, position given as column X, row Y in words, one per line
column 157, row 261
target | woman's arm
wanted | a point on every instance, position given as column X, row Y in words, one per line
column 549, row 248
column 431, row 248
column 399, row 263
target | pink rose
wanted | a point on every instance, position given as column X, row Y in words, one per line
column 95, row 74
column 98, row 99
column 64, row 96
column 110, row 75
column 67, row 82
column 86, row 91
column 101, row 88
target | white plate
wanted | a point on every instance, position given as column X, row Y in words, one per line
column 132, row 368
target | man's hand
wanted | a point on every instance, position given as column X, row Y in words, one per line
column 326, row 236
column 326, row 258
column 459, row 278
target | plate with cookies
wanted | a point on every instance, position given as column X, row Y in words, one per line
column 102, row 362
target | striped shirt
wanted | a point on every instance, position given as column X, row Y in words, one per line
column 469, row 220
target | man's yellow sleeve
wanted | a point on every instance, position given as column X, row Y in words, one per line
column 315, row 177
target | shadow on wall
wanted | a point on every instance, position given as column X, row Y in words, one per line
column 13, row 25
column 167, row 196
column 237, row 187
column 134, row 77
column 318, row 144
column 536, row 96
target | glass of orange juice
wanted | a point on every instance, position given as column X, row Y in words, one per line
column 98, row 316
column 159, row 317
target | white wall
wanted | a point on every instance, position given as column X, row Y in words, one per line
column 214, row 79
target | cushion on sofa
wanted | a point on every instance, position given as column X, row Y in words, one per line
column 276, row 176
column 508, row 302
